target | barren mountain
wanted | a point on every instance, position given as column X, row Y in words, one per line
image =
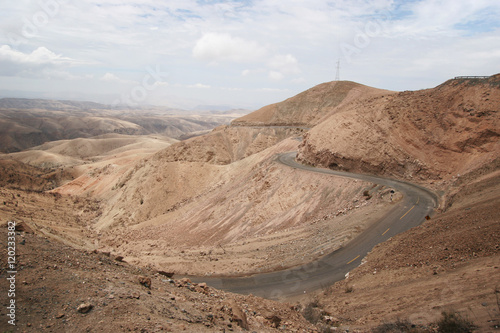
column 187, row 186
column 227, row 144
column 308, row 108
column 448, row 133
column 21, row 130
column 222, row 204
column 108, row 144
column 28, row 123
column 49, row 105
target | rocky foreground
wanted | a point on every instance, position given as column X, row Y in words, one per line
column 60, row 289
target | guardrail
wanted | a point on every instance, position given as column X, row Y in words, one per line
column 470, row 77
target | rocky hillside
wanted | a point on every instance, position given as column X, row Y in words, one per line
column 18, row 175
column 308, row 108
column 448, row 264
column 28, row 123
column 226, row 185
column 61, row 286
column 228, row 144
column 270, row 125
column 222, row 204
column 61, row 289
column 434, row 135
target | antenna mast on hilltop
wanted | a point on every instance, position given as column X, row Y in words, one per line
column 337, row 75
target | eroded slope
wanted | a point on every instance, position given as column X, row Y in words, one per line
column 309, row 107
column 434, row 135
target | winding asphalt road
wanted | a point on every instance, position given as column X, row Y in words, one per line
column 409, row 212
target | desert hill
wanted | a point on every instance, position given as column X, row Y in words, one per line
column 156, row 200
column 187, row 186
column 271, row 124
column 65, row 288
column 49, row 105
column 21, row 176
column 308, row 108
column 108, row 144
column 227, row 144
column 28, row 123
column 448, row 133
column 221, row 203
column 22, row 129
column 114, row 153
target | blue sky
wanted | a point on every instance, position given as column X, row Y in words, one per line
column 183, row 53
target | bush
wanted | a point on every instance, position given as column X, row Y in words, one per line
column 452, row 322
column 312, row 313
column 399, row 326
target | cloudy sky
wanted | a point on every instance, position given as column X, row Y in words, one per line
column 241, row 53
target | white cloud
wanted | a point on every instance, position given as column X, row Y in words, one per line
column 40, row 62
column 282, row 65
column 299, row 80
column 38, row 57
column 199, row 86
column 272, row 90
column 110, row 77
column 294, row 44
column 276, row 76
column 219, row 47
column 435, row 19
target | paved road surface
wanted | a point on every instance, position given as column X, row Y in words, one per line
column 417, row 202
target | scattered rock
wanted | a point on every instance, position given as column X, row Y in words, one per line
column 331, row 320
column 59, row 315
column 167, row 274
column 135, row 295
column 185, row 281
column 145, row 281
column 23, row 227
column 119, row 258
column 239, row 316
column 84, row 307
column 275, row 320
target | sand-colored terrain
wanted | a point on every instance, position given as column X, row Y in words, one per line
column 450, row 263
column 447, row 134
column 308, row 109
column 28, row 123
column 221, row 204
column 62, row 289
